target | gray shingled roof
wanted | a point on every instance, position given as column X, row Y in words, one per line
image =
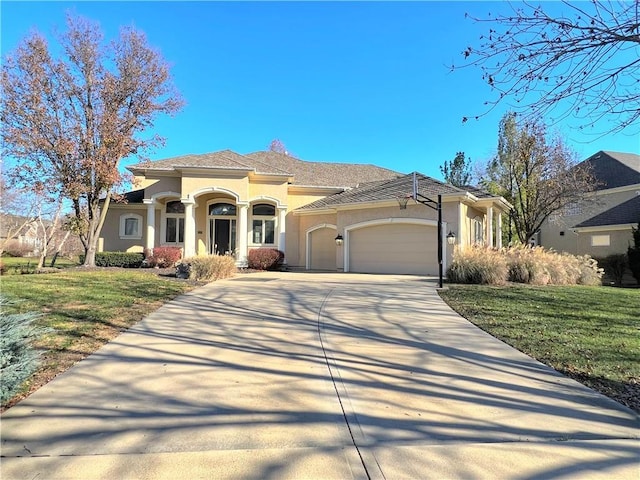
column 624, row 213
column 224, row 159
column 324, row 174
column 614, row 169
column 320, row 174
column 386, row 190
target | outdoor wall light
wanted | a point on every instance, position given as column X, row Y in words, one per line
column 451, row 238
column 339, row 240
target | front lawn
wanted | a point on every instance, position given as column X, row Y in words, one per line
column 591, row 334
column 21, row 265
column 86, row 308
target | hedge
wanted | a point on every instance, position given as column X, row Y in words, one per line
column 117, row 259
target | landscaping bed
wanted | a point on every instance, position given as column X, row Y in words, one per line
column 591, row 334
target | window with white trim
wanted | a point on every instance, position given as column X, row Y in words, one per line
column 174, row 222
column 600, row 240
column 264, row 224
column 131, row 226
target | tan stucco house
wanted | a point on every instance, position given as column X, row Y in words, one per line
column 226, row 203
column 602, row 224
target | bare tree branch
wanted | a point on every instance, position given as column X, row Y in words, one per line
column 584, row 64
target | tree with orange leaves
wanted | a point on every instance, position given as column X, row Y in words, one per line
column 68, row 122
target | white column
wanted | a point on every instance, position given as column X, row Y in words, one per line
column 282, row 230
column 151, row 223
column 490, row 227
column 462, row 230
column 242, row 235
column 499, row 230
column 189, row 228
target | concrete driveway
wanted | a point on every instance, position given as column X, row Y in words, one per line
column 298, row 375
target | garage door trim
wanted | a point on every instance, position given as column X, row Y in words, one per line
column 308, row 240
column 384, row 221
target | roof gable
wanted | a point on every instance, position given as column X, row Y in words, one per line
column 614, row 169
column 324, row 174
column 385, row 190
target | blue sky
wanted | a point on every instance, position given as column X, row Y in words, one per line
column 364, row 82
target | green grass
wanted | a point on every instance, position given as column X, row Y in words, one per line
column 591, row 334
column 19, row 265
column 86, row 309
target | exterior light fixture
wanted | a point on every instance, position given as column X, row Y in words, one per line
column 451, row 238
column 339, row 240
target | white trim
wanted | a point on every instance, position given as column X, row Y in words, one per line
column 308, row 240
column 123, row 219
column 605, row 228
column 202, row 191
column 160, row 195
column 384, row 221
column 265, row 198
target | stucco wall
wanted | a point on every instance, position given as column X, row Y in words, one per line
column 299, row 246
column 619, row 242
column 550, row 236
column 160, row 185
column 110, row 236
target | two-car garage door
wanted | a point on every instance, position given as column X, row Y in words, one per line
column 402, row 248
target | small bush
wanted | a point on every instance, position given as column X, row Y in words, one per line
column 117, row 259
column 614, row 266
column 265, row 259
column 207, row 268
column 18, row 359
column 13, row 248
column 477, row 265
column 162, row 257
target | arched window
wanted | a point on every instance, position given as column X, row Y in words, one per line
column 131, row 226
column 264, row 224
column 174, row 213
column 225, row 209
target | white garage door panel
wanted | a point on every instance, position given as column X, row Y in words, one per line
column 394, row 248
column 322, row 247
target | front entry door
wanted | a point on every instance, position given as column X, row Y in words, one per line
column 222, row 236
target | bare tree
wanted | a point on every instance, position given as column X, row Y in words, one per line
column 17, row 214
column 583, row 63
column 538, row 175
column 69, row 122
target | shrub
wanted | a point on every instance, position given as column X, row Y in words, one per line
column 117, row 259
column 477, row 265
column 162, row 257
column 13, row 248
column 206, row 268
column 614, row 266
column 18, row 359
column 633, row 254
column 265, row 259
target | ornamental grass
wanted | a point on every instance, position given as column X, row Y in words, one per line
column 522, row 264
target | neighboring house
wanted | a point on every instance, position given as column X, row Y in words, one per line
column 20, row 232
column 227, row 203
column 601, row 224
